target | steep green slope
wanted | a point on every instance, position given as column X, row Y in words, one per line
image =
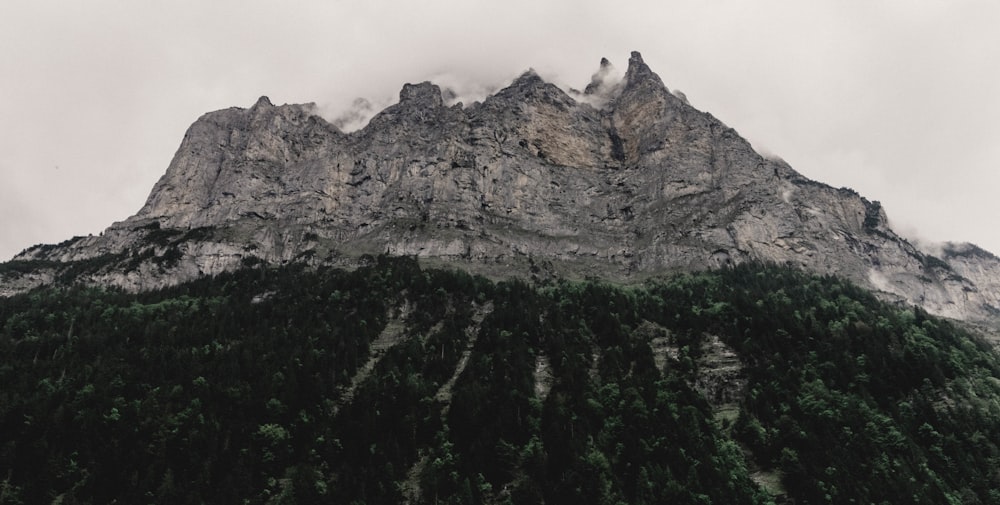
column 392, row 384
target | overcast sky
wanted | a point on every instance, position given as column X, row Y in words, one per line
column 896, row 99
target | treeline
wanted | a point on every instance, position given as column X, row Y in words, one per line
column 393, row 384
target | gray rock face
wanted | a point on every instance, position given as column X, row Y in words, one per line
column 532, row 181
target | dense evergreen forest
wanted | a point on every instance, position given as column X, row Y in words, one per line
column 393, row 384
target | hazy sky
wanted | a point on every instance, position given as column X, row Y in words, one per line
column 896, row 99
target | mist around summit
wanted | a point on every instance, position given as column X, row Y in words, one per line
column 457, row 88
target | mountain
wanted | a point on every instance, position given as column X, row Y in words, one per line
column 665, row 317
column 622, row 181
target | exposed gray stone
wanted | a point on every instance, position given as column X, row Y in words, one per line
column 636, row 184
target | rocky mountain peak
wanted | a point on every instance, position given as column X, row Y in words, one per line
column 601, row 83
column 423, row 94
column 263, row 102
column 527, row 78
column 623, row 182
column 529, row 86
column 639, row 74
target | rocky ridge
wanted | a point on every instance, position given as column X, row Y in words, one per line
column 623, row 181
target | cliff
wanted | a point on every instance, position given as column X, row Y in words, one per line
column 623, row 181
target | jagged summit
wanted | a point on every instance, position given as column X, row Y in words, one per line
column 422, row 94
column 622, row 181
column 527, row 78
column 638, row 71
column 529, row 87
column 600, row 82
column 263, row 101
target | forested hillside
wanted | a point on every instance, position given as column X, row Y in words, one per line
column 393, row 384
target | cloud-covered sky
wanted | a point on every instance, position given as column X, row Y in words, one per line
column 897, row 99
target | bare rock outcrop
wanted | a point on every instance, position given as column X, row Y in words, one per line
column 634, row 184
